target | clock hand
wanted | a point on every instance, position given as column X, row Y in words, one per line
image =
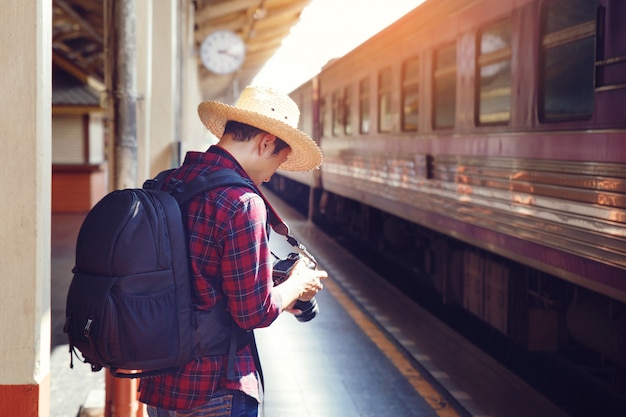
column 227, row 52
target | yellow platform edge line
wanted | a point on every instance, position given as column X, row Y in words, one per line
column 425, row 390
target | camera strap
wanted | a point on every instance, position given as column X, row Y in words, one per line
column 280, row 227
column 275, row 221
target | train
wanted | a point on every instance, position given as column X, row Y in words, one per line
column 482, row 143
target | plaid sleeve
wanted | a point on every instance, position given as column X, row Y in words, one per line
column 246, row 265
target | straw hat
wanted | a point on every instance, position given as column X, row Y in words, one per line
column 272, row 112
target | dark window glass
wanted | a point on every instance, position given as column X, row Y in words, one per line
column 347, row 110
column 611, row 54
column 326, row 118
column 410, row 95
column 560, row 15
column 364, row 106
column 444, row 87
column 568, row 60
column 385, row 117
column 494, row 84
column 337, row 114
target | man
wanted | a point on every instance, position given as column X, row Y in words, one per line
column 229, row 250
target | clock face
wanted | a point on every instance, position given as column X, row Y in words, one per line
column 222, row 52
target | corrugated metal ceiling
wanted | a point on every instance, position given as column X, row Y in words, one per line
column 78, row 37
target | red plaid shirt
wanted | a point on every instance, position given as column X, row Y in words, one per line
column 230, row 256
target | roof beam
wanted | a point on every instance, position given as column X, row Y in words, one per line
column 84, row 25
column 220, row 10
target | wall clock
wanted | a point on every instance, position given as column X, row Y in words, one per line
column 222, row 52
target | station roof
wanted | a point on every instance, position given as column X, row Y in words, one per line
column 78, row 37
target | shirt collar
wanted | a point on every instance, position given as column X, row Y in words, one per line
column 215, row 156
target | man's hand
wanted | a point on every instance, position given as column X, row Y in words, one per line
column 311, row 279
column 303, row 284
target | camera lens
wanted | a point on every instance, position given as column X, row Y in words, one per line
column 309, row 310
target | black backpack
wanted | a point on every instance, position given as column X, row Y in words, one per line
column 129, row 304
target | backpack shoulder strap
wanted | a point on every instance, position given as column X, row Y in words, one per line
column 183, row 192
column 221, row 178
column 157, row 182
column 206, row 182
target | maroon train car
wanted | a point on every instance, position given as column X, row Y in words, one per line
column 484, row 144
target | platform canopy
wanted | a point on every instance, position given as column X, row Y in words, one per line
column 78, row 36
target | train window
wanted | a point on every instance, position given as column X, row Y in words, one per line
column 337, row 114
column 326, row 118
column 494, row 67
column 364, row 105
column 410, row 95
column 347, row 110
column 444, row 87
column 568, row 60
column 385, row 116
column 611, row 64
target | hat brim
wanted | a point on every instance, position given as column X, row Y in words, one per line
column 305, row 155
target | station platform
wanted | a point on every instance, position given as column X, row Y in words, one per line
column 371, row 351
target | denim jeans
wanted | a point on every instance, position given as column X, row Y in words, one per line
column 225, row 403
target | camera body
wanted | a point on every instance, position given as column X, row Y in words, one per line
column 280, row 273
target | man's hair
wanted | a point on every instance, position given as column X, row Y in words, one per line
column 243, row 132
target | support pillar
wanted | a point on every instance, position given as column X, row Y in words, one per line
column 25, row 185
column 121, row 82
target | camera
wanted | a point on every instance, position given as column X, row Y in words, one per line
column 280, row 273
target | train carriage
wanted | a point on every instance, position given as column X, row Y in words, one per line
column 485, row 141
column 301, row 186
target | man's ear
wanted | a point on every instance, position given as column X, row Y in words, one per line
column 266, row 143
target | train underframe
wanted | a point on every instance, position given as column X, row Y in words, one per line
column 507, row 301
